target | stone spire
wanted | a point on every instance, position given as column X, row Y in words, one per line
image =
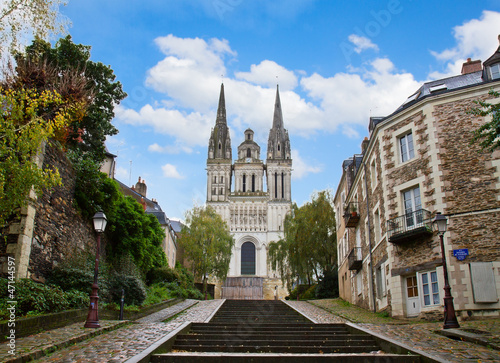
column 219, row 145
column 221, row 110
column 278, row 146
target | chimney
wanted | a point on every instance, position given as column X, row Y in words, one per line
column 471, row 66
column 141, row 188
column 364, row 145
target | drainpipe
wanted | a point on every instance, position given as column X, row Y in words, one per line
column 372, row 291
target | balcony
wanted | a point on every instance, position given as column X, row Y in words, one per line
column 351, row 215
column 409, row 227
column 355, row 259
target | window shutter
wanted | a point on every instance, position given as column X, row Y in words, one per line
column 483, row 282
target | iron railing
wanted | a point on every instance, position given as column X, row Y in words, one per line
column 409, row 226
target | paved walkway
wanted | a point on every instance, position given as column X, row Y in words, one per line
column 131, row 339
column 115, row 346
column 417, row 335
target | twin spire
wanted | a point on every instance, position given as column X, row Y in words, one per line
column 220, row 144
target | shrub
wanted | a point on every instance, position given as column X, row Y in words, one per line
column 309, row 294
column 34, row 298
column 134, row 289
column 328, row 285
column 69, row 278
column 162, row 274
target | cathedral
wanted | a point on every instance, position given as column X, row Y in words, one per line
column 253, row 197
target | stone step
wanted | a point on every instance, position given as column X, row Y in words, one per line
column 304, row 349
column 274, row 337
column 180, row 342
column 288, row 358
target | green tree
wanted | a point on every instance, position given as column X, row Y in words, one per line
column 27, row 120
column 309, row 247
column 69, row 59
column 488, row 134
column 207, row 243
column 21, row 18
column 131, row 232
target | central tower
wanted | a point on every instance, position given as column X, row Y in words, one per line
column 253, row 197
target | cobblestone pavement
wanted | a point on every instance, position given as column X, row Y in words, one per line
column 314, row 313
column 115, row 346
column 417, row 335
column 127, row 341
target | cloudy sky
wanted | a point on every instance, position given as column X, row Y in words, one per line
column 337, row 63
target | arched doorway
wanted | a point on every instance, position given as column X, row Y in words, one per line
column 248, row 258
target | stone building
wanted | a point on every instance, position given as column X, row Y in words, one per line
column 253, row 197
column 416, row 162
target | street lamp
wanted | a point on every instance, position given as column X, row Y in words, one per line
column 92, row 317
column 450, row 320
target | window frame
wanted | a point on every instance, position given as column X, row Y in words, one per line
column 410, row 152
column 431, row 293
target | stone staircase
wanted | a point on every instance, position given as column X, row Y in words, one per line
column 271, row 331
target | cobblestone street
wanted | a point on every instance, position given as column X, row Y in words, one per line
column 127, row 341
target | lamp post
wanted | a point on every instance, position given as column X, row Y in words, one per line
column 92, row 317
column 450, row 320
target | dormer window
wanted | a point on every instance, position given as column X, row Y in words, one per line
column 495, row 71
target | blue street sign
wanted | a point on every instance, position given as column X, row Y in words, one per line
column 461, row 253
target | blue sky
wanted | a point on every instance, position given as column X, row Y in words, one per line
column 337, row 63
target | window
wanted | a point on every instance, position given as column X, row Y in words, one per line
column 359, row 283
column 430, row 288
column 215, row 179
column 249, row 153
column 253, row 183
column 495, row 71
column 244, row 183
column 413, row 208
column 376, row 227
column 406, row 147
column 222, row 179
column 380, row 277
column 373, row 170
column 221, row 191
column 411, row 286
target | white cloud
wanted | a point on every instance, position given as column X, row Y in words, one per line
column 191, row 129
column 302, row 168
column 189, row 77
column 362, row 43
column 170, row 171
column 169, row 149
column 265, row 73
column 346, row 98
column 476, row 39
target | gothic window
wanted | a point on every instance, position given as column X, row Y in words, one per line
column 220, row 146
column 249, row 153
column 248, row 258
column 282, row 185
column 275, row 185
column 221, row 191
column 253, row 183
column 222, row 179
column 244, row 183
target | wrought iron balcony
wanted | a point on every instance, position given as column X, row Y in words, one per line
column 409, row 226
column 351, row 215
column 355, row 259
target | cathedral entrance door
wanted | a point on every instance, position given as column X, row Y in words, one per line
column 248, row 258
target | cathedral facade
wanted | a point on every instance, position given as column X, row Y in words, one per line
column 251, row 195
